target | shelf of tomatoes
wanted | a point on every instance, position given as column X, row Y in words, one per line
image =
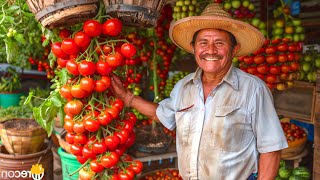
column 99, row 127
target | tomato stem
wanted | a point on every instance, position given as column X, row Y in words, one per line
column 82, row 166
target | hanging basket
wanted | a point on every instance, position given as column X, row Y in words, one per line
column 22, row 136
column 142, row 13
column 57, row 13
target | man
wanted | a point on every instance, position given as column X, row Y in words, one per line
column 226, row 124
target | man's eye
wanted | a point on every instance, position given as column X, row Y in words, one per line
column 219, row 43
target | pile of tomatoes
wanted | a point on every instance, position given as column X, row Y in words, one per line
column 165, row 174
column 99, row 127
column 276, row 62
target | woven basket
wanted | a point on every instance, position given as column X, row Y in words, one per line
column 22, row 136
column 142, row 13
column 57, row 13
column 294, row 148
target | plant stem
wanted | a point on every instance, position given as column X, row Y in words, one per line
column 155, row 82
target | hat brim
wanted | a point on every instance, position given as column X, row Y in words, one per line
column 250, row 39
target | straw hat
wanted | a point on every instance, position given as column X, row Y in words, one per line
column 213, row 16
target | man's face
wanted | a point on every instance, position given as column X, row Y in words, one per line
column 213, row 51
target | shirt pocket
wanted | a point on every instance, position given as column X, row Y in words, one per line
column 233, row 131
column 183, row 122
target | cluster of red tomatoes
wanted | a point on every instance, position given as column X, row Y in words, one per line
column 276, row 62
column 99, row 129
column 164, row 47
column 292, row 131
column 41, row 63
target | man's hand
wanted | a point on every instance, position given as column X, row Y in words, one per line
column 119, row 90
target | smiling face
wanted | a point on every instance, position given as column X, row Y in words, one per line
column 213, row 51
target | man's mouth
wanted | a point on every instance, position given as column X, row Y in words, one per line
column 208, row 57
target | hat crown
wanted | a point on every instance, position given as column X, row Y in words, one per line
column 214, row 9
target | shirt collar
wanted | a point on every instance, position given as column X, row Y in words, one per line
column 230, row 78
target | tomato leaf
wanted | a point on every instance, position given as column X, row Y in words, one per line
column 28, row 99
column 56, row 100
column 20, row 38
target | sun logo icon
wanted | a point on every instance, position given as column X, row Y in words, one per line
column 37, row 172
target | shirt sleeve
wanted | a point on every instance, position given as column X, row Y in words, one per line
column 266, row 124
column 167, row 108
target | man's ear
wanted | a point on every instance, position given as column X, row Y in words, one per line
column 236, row 49
column 192, row 47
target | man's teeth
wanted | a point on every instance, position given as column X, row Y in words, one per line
column 211, row 59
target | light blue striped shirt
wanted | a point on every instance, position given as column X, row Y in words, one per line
column 222, row 138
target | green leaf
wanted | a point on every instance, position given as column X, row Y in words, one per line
column 56, row 100
column 19, row 37
column 63, row 76
column 9, row 49
column 13, row 8
column 9, row 19
column 61, row 115
column 28, row 99
column 52, row 59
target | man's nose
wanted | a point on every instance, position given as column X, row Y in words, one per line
column 212, row 48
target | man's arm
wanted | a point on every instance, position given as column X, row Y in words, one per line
column 268, row 165
column 145, row 107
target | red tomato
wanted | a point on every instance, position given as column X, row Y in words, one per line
column 69, row 46
column 110, row 159
column 282, row 58
column 114, row 177
column 271, row 85
column 92, row 28
column 259, row 59
column 103, row 68
column 272, row 59
column 115, row 59
column 68, row 126
column 131, row 117
column 276, row 41
column 72, row 67
column 136, row 166
column 106, row 80
column 64, row 33
column 248, row 59
column 285, row 68
column 79, row 128
column 57, row 51
column 128, row 50
column 294, row 66
column 77, row 92
column 92, row 125
column 128, row 174
column 263, row 68
column 282, row 47
column 252, row 69
column 87, row 84
column 104, row 118
column 73, row 107
column 76, row 149
column 62, row 62
column 120, row 150
column 112, row 27
column 290, row 56
column 100, row 86
column 118, row 103
column 283, row 76
column 123, row 135
column 106, row 49
column 112, row 142
column 292, row 48
column 80, row 139
column 96, row 166
column 88, row 153
column 274, row 70
column 70, row 137
column 130, row 141
column 113, row 111
column 99, row 147
column 65, row 91
column 271, row 78
column 86, row 68
column 81, row 159
column 82, row 39
column 270, row 49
